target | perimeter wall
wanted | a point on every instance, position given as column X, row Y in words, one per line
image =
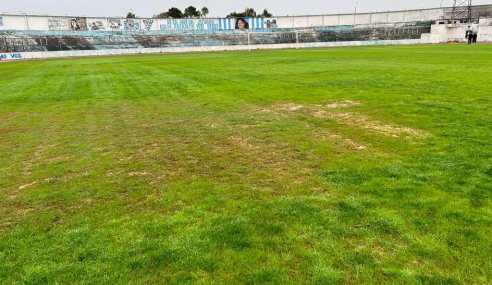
column 83, row 23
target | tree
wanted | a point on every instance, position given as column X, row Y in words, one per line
column 191, row 12
column 248, row 13
column 175, row 13
column 163, row 15
column 266, row 14
column 236, row 15
column 130, row 15
column 204, row 12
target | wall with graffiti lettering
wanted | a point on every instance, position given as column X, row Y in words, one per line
column 131, row 24
column 213, row 24
column 74, row 24
column 96, row 24
column 115, row 24
column 22, row 22
column 147, row 24
column 188, row 25
column 58, row 24
column 10, row 56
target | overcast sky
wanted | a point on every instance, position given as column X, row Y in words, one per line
column 147, row 8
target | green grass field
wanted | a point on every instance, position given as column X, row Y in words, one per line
column 368, row 165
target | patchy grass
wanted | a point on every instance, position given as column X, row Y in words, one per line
column 366, row 165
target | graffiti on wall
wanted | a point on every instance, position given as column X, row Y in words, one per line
column 178, row 25
column 1, row 21
column 57, row 24
column 189, row 25
column 207, row 25
column 271, row 24
column 211, row 25
column 114, row 24
column 131, row 24
column 241, row 23
column 97, row 25
column 147, row 24
column 78, row 24
column 7, row 56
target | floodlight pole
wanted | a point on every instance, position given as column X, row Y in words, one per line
column 355, row 12
column 462, row 10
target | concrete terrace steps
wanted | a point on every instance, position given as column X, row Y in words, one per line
column 35, row 41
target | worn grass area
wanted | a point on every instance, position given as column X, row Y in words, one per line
column 325, row 166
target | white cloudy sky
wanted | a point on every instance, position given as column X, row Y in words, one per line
column 147, row 8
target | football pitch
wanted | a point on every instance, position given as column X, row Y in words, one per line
column 362, row 165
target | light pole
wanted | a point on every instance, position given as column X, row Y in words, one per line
column 355, row 12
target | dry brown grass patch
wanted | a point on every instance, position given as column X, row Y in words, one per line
column 375, row 126
column 331, row 111
column 290, row 106
column 141, row 173
column 343, row 104
column 22, row 187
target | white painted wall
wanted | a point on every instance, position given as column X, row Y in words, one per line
column 433, row 14
column 285, row 22
column 425, row 39
column 486, row 22
column 347, row 20
column 14, row 23
column 363, row 19
column 396, row 17
column 443, row 34
column 446, row 34
column 315, row 21
column 331, row 20
column 380, row 18
column 300, row 22
column 485, row 34
column 40, row 23
column 412, row 16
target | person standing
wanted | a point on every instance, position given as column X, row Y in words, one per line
column 475, row 36
column 469, row 36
